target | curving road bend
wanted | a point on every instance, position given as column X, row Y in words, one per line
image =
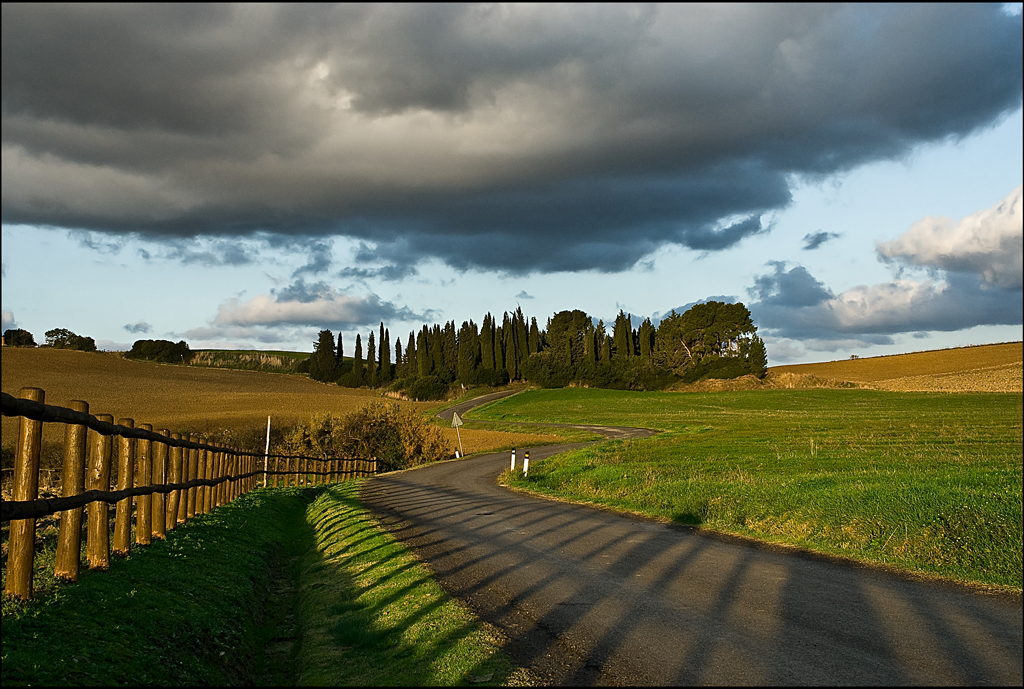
column 587, row 596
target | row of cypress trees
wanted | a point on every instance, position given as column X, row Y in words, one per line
column 709, row 340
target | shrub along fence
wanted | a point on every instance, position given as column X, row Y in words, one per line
column 171, row 477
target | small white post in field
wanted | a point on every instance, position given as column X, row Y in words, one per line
column 513, row 459
column 526, row 463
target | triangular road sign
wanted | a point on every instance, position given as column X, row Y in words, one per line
column 456, row 421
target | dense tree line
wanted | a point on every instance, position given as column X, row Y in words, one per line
column 710, row 340
column 160, row 350
column 16, row 337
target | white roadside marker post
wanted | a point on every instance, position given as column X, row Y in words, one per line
column 456, row 422
column 513, row 459
column 526, row 463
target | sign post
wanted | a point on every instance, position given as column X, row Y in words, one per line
column 456, row 422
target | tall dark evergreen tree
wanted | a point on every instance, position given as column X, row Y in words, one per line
column 499, row 348
column 384, row 361
column 599, row 334
column 436, row 351
column 371, row 365
column 487, row 343
column 758, row 357
column 411, row 357
column 621, row 336
column 358, row 371
column 468, row 341
column 534, row 344
column 511, row 355
column 424, row 359
column 645, row 335
column 450, row 349
column 339, row 353
column 321, row 361
column 399, row 362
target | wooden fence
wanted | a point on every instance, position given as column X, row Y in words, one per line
column 171, row 477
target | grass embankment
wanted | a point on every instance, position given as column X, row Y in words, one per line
column 281, row 587
column 925, row 482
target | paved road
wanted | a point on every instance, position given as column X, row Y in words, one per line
column 587, row 596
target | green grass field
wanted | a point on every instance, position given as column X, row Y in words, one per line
column 920, row 481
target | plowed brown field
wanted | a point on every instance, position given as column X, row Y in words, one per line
column 201, row 400
column 984, row 368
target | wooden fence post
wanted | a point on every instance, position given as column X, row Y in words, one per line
column 193, row 472
column 176, row 509
column 69, row 539
column 97, row 547
column 216, row 475
column 201, row 491
column 22, row 540
column 125, row 479
column 144, row 477
column 160, row 478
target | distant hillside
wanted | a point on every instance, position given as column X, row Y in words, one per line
column 249, row 360
column 983, row 368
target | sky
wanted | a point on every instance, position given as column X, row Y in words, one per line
column 243, row 177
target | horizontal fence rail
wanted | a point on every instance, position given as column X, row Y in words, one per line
column 171, row 477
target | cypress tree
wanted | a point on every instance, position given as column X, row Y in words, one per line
column 424, row 361
column 357, row 361
column 411, row 357
column 499, row 348
column 371, row 366
column 321, row 361
column 646, row 337
column 619, row 336
column 385, row 357
column 758, row 357
column 399, row 363
column 487, row 343
column 534, row 343
column 467, row 341
column 435, row 351
column 339, row 356
column 522, row 339
column 511, row 356
column 450, row 349
column 599, row 335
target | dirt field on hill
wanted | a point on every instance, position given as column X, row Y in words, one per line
column 984, row 368
column 202, row 400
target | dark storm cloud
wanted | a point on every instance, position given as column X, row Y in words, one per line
column 516, row 138
column 389, row 273
column 813, row 240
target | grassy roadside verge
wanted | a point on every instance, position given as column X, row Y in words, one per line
column 374, row 616
column 925, row 482
column 281, row 587
column 185, row 611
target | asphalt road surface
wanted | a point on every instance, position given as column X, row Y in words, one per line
column 587, row 596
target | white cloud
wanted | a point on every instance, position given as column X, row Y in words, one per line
column 318, row 305
column 989, row 243
column 8, row 320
